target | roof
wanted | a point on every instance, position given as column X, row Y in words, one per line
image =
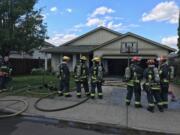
column 66, row 48
column 93, row 31
column 139, row 37
column 72, row 49
column 47, row 44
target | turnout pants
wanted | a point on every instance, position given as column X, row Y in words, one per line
column 164, row 93
column 95, row 85
column 136, row 90
column 85, row 86
column 64, row 87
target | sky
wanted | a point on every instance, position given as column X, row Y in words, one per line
column 153, row 19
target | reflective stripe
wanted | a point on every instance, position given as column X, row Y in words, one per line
column 66, row 94
column 78, row 94
column 100, row 94
column 87, row 93
column 127, row 101
column 137, row 81
column 137, row 103
column 94, row 78
column 151, row 105
column 160, row 103
column 130, row 84
column 164, row 103
column 59, row 92
column 155, row 88
column 92, row 95
column 165, row 80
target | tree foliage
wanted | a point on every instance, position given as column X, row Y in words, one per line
column 178, row 43
column 21, row 26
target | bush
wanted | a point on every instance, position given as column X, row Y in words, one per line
column 39, row 71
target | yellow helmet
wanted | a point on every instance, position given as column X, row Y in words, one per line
column 83, row 58
column 97, row 59
column 66, row 58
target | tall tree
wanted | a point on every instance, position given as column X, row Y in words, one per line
column 178, row 43
column 21, row 26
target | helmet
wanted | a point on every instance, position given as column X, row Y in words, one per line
column 135, row 59
column 150, row 62
column 96, row 59
column 83, row 58
column 66, row 58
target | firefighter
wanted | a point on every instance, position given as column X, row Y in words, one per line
column 165, row 72
column 5, row 72
column 97, row 72
column 133, row 75
column 152, row 86
column 64, row 77
column 81, row 73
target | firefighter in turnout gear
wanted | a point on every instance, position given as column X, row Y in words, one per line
column 5, row 72
column 165, row 72
column 64, row 77
column 152, row 86
column 97, row 72
column 133, row 75
column 81, row 74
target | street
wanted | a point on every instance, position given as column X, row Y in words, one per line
column 24, row 126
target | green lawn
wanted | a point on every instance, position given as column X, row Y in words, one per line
column 34, row 81
column 177, row 81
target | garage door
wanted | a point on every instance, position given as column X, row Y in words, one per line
column 117, row 66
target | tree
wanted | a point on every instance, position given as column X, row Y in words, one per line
column 178, row 43
column 21, row 26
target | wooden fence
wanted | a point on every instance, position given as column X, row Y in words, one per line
column 24, row 66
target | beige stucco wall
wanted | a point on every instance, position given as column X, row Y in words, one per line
column 96, row 38
column 57, row 59
column 144, row 48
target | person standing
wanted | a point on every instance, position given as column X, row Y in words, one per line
column 133, row 76
column 64, row 77
column 165, row 72
column 81, row 74
column 5, row 72
column 97, row 72
column 152, row 86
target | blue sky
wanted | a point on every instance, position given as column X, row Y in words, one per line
column 154, row 19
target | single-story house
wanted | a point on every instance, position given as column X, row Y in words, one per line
column 111, row 46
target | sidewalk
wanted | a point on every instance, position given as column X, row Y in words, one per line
column 110, row 111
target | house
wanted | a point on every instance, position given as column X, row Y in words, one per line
column 24, row 62
column 111, row 46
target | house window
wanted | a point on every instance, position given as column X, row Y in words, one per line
column 129, row 47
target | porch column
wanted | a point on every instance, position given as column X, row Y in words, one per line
column 45, row 62
column 74, row 61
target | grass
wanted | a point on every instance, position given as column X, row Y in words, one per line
column 177, row 81
column 34, row 81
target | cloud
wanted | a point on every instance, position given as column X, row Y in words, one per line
column 69, row 10
column 53, row 9
column 95, row 22
column 59, row 39
column 102, row 11
column 171, row 41
column 164, row 11
column 113, row 26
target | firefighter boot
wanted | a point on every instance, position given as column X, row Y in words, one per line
column 165, row 106
column 150, row 109
column 100, row 96
column 138, row 106
column 160, row 107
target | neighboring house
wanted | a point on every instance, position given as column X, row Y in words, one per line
column 38, row 53
column 110, row 46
